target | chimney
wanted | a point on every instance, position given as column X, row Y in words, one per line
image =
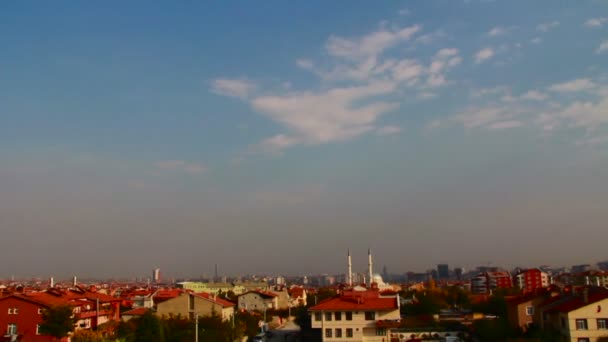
column 51, row 282
column 74, row 281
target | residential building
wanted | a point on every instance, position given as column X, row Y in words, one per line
column 356, row 316
column 486, row 282
column 258, row 300
column 580, row 318
column 21, row 313
column 190, row 304
column 531, row 280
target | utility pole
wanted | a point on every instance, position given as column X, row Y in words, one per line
column 196, row 327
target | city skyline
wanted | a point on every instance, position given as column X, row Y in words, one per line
column 276, row 136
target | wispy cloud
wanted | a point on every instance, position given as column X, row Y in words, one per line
column 181, row 165
column 577, row 85
column 548, row 26
column 483, row 55
column 369, row 45
column 534, row 95
column 325, row 116
column 388, row 130
column 596, row 22
column 602, row 48
column 497, row 31
column 239, row 88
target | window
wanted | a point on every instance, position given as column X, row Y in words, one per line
column 328, row 332
column 583, row 339
column 380, row 332
column 349, row 316
column 338, row 332
column 602, row 323
column 11, row 329
column 530, row 310
column 370, row 315
column 328, row 316
column 338, row 316
column 13, row 311
column 349, row 332
column 39, row 311
column 37, row 329
column 318, row 316
column 581, row 324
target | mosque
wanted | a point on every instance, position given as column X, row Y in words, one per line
column 370, row 279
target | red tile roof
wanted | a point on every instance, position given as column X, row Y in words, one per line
column 135, row 312
column 215, row 299
column 577, row 302
column 355, row 300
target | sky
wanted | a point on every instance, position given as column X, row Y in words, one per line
column 270, row 137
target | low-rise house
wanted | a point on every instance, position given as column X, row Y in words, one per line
column 578, row 318
column 356, row 316
column 522, row 311
column 21, row 313
column 133, row 313
column 190, row 304
column 258, row 300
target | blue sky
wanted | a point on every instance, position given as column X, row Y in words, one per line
column 468, row 132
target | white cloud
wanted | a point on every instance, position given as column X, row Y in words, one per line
column 483, row 55
column 233, row 87
column 429, row 38
column 482, row 117
column 181, row 165
column 603, row 47
column 305, row 64
column 584, row 114
column 596, row 22
column 443, row 60
column 536, row 40
column 534, row 95
column 546, row 27
column 388, row 130
column 321, row 117
column 404, row 11
column 489, row 91
column 425, row 95
column 577, row 85
column 497, row 31
column 505, row 124
column 370, row 45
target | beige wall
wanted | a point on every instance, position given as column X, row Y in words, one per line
column 254, row 301
column 181, row 306
column 363, row 330
column 591, row 314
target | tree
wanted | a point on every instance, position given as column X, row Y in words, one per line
column 58, row 321
column 87, row 336
column 149, row 328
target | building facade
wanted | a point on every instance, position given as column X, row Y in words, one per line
column 356, row 316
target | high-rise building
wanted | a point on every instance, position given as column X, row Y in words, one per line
column 443, row 271
column 156, row 275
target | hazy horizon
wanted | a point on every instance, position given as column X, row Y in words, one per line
column 269, row 138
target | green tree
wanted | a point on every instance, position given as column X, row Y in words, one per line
column 149, row 328
column 58, row 321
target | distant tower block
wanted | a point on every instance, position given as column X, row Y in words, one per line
column 74, row 281
column 51, row 282
column 156, row 275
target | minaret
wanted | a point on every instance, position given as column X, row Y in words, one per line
column 350, row 270
column 369, row 266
